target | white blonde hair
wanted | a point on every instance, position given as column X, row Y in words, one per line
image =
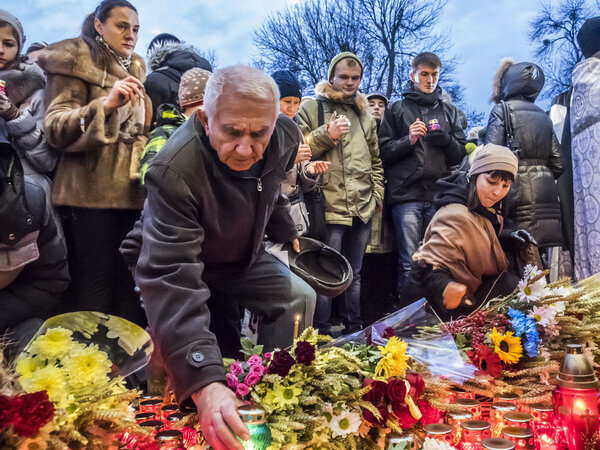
column 245, row 81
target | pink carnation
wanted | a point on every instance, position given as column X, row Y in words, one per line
column 268, row 355
column 252, row 379
column 236, row 368
column 255, row 360
column 258, row 370
column 232, row 381
column 242, row 390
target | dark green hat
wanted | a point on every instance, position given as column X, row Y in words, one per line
column 337, row 58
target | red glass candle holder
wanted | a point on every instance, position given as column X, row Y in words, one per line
column 167, row 410
column 473, row 433
column 173, row 419
column 461, row 393
column 151, row 405
column 169, row 439
column 142, row 417
column 471, row 405
column 517, row 419
column 455, row 419
column 153, row 426
column 507, row 397
column 497, row 444
column 439, row 432
column 497, row 412
column 522, row 437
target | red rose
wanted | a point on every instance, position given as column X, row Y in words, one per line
column 396, row 391
column 370, row 417
column 6, row 411
column 32, row 412
column 430, row 414
column 417, row 385
column 405, row 418
column 378, row 393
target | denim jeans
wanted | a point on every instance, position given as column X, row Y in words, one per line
column 350, row 241
column 410, row 221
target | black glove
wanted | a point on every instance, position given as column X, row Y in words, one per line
column 8, row 110
column 438, row 138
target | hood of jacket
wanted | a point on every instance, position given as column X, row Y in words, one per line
column 168, row 114
column 453, row 189
column 72, row 57
column 421, row 98
column 524, row 80
column 325, row 89
column 177, row 55
column 22, row 82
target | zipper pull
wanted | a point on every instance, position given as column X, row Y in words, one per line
column 259, row 185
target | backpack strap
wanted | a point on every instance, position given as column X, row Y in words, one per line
column 320, row 113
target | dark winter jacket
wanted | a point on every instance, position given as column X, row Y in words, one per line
column 412, row 170
column 203, row 220
column 533, row 201
column 33, row 257
column 167, row 64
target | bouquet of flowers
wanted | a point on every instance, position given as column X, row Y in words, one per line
column 327, row 396
column 72, row 375
column 516, row 342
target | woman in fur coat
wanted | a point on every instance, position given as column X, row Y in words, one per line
column 533, row 202
column 96, row 117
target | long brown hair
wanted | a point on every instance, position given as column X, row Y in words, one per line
column 100, row 54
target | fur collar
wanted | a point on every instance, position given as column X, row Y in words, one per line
column 505, row 64
column 158, row 55
column 72, row 57
column 325, row 89
column 23, row 81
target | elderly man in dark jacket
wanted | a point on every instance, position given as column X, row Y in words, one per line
column 419, row 139
column 213, row 194
column 169, row 59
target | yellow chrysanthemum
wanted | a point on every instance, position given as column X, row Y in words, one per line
column 87, row 366
column 51, row 379
column 26, row 366
column 54, row 344
column 507, row 346
column 393, row 362
column 283, row 396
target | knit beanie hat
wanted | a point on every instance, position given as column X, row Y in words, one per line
column 192, row 86
column 588, row 37
column 494, row 157
column 337, row 58
column 14, row 22
column 287, row 83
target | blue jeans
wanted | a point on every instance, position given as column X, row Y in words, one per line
column 350, row 241
column 410, row 221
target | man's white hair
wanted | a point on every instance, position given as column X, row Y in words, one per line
column 245, row 81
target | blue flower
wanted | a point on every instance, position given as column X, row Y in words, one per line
column 518, row 322
column 533, row 338
column 531, row 349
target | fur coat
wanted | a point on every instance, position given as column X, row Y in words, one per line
column 99, row 152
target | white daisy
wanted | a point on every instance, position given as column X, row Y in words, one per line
column 559, row 307
column 531, row 272
column 560, row 291
column 543, row 315
column 531, row 292
column 344, row 424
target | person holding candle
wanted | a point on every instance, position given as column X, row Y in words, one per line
column 97, row 116
column 461, row 262
column 214, row 192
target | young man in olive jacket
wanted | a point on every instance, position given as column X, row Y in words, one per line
column 340, row 130
column 420, row 138
column 213, row 194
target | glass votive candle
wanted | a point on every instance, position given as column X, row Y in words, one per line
column 473, row 434
column 471, row 405
column 405, row 442
column 542, row 413
column 153, row 425
column 439, row 432
column 497, row 444
column 517, row 419
column 461, row 393
column 169, row 439
column 149, row 397
column 508, row 397
column 167, row 410
column 151, row 405
column 174, row 418
column 497, row 412
column 455, row 419
column 522, row 437
column 142, row 417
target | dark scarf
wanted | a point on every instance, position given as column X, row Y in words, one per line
column 420, row 97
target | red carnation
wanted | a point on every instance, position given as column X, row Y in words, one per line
column 430, row 414
column 405, row 418
column 486, row 360
column 281, row 363
column 6, row 411
column 32, row 412
column 305, row 353
column 417, row 385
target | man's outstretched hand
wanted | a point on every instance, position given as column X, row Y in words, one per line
column 218, row 417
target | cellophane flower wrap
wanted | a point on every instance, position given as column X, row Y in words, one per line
column 347, row 393
column 68, row 384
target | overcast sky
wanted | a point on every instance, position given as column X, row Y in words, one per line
column 482, row 31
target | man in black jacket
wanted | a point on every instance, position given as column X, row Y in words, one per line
column 213, row 193
column 419, row 139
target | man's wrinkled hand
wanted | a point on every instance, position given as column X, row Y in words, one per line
column 218, row 417
column 317, row 167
